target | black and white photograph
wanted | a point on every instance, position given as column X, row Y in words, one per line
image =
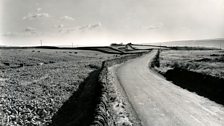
column 111, row 62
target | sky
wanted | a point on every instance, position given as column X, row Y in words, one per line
column 101, row 22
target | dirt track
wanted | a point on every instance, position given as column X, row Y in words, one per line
column 158, row 102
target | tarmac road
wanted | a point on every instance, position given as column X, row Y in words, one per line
column 158, row 102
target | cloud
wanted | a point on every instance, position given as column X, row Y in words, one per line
column 38, row 9
column 30, row 30
column 93, row 26
column 62, row 29
column 90, row 26
column 68, row 30
column 36, row 15
column 59, row 26
column 155, row 26
column 84, row 27
column 9, row 34
column 68, row 18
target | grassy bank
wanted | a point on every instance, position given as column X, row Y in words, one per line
column 198, row 71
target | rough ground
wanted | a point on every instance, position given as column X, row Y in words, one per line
column 158, row 102
column 200, row 71
column 34, row 83
column 209, row 62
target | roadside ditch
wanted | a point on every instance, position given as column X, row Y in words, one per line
column 204, row 85
column 208, row 86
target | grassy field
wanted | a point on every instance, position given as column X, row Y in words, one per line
column 200, row 71
column 209, row 62
column 34, row 83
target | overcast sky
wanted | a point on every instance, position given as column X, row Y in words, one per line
column 100, row 22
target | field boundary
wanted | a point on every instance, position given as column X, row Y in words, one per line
column 89, row 105
column 103, row 115
column 79, row 110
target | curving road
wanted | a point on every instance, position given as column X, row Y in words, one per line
column 158, row 102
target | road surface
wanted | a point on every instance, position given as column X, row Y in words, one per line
column 158, row 102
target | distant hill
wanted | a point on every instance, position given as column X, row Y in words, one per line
column 214, row 43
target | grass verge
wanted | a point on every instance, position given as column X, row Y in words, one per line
column 197, row 71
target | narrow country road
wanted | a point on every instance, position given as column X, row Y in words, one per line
column 158, row 102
